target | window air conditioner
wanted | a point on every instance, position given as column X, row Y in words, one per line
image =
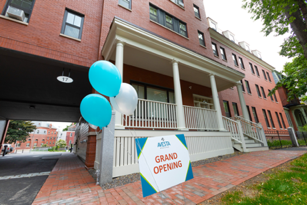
column 15, row 13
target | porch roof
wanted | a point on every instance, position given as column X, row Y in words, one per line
column 147, row 50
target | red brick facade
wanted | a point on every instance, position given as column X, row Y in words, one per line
column 70, row 138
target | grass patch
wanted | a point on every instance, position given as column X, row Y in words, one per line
column 276, row 143
column 282, row 187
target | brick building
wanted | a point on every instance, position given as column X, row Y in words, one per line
column 186, row 71
column 68, row 136
column 43, row 134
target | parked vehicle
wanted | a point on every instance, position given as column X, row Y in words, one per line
column 8, row 149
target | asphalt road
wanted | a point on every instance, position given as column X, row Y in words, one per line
column 22, row 191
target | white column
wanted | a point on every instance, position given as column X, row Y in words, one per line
column 178, row 97
column 119, row 63
column 216, row 103
column 242, row 101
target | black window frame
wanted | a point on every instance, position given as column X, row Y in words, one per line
column 243, row 89
column 235, row 107
column 176, row 23
column 67, row 10
column 203, row 40
column 263, row 93
column 227, row 103
column 271, row 119
column 258, row 90
column 196, row 7
column 248, row 87
column 177, row 2
column 278, row 120
column 254, row 111
column 282, row 120
column 216, row 53
column 223, row 53
column 241, row 63
column 268, row 76
column 235, row 60
column 275, row 97
column 129, row 5
column 252, row 68
column 271, row 95
column 266, row 118
column 263, row 72
column 27, row 11
column 257, row 71
column 249, row 113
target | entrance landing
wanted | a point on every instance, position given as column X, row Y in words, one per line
column 70, row 183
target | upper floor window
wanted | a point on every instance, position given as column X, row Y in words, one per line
column 235, row 109
column 201, row 38
column 234, row 57
column 268, row 76
column 247, row 87
column 226, row 108
column 167, row 20
column 252, row 68
column 258, row 91
column 179, row 2
column 266, row 118
column 72, row 24
column 278, row 120
column 214, row 48
column 282, row 120
column 249, row 113
column 255, row 114
column 257, row 71
column 125, row 3
column 223, row 54
column 264, row 75
column 263, row 93
column 242, row 86
column 271, row 96
column 271, row 119
column 275, row 97
column 241, row 63
column 196, row 11
column 19, row 9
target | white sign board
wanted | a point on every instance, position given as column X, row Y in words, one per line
column 164, row 162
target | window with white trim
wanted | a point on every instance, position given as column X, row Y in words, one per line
column 72, row 24
column 196, row 11
column 125, row 3
column 21, row 6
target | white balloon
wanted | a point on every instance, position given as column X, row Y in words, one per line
column 126, row 100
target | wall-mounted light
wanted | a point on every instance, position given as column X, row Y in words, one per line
column 65, row 79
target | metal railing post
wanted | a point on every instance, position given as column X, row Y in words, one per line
column 279, row 138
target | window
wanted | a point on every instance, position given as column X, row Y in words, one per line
column 45, row 132
column 234, row 57
column 271, row 119
column 47, row 138
column 42, row 144
column 226, row 108
column 257, row 71
column 125, row 3
column 214, row 48
column 235, row 109
column 266, row 118
column 271, row 96
column 37, row 131
column 263, row 93
column 258, row 91
column 232, row 38
column 275, row 97
column 242, row 86
column 222, row 51
column 278, row 120
column 252, row 68
column 43, row 139
column 255, row 114
column 196, row 11
column 36, row 139
column 167, row 20
column 282, row 120
column 201, row 38
column 25, row 5
column 48, row 132
column 18, row 145
column 247, row 87
column 241, row 63
column 70, row 135
column 249, row 113
column 179, row 2
column 72, row 24
column 269, row 76
column 35, row 144
column 28, row 145
column 264, row 75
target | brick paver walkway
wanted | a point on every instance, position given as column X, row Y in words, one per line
column 70, row 183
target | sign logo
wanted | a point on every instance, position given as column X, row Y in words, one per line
column 164, row 144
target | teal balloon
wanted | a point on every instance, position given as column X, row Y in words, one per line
column 105, row 78
column 96, row 110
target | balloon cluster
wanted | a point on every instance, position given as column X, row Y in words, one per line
column 106, row 79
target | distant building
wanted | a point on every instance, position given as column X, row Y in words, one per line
column 68, row 136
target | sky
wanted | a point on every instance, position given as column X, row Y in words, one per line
column 230, row 15
column 60, row 125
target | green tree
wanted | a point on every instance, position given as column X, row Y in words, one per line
column 61, row 143
column 66, row 128
column 19, row 130
column 288, row 18
column 44, row 145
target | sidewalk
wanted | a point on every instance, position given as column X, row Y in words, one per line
column 70, row 183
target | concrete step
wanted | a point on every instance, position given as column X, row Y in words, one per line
column 249, row 141
column 253, row 145
column 238, row 147
column 255, row 149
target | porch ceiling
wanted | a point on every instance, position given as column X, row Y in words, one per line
column 147, row 61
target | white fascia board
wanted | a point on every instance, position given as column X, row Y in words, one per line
column 222, row 39
column 156, row 45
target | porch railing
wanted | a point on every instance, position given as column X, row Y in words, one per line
column 152, row 114
column 252, row 130
column 234, row 128
column 200, row 118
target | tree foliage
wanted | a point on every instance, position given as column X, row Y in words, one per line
column 19, row 130
column 287, row 18
column 61, row 143
column 66, row 128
